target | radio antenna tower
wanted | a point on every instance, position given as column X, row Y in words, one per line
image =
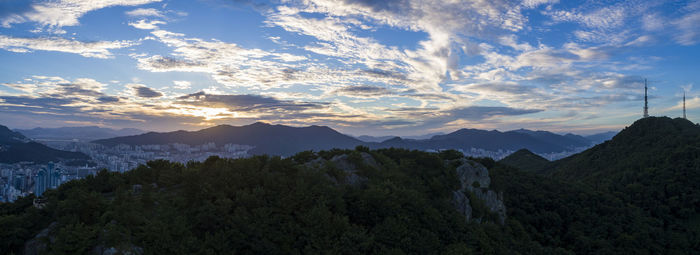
column 646, row 105
column 684, row 105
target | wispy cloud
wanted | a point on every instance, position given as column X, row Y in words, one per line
column 689, row 31
column 244, row 102
column 61, row 13
column 100, row 49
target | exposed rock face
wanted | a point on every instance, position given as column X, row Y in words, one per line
column 493, row 201
column 344, row 164
column 471, row 172
column 37, row 245
column 461, row 203
column 127, row 249
column 475, row 180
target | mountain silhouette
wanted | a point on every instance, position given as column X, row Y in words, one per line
column 87, row 133
column 494, row 140
column 15, row 147
column 286, row 140
column 267, row 139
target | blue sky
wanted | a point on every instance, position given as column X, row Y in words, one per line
column 401, row 67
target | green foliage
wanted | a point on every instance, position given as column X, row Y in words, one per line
column 271, row 205
column 257, row 205
column 304, row 156
column 451, row 154
column 526, row 160
column 576, row 218
column 19, row 221
column 641, row 187
column 362, row 148
column 654, row 165
column 476, row 184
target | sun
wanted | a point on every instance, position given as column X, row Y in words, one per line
column 207, row 113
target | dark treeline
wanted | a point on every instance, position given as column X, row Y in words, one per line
column 270, row 205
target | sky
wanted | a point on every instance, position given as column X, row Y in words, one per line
column 392, row 67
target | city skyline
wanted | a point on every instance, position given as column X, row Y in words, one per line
column 360, row 67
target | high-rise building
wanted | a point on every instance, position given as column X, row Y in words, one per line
column 20, row 182
column 40, row 183
column 55, row 179
column 47, row 178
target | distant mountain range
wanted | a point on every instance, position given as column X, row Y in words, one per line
column 601, row 137
column 465, row 139
column 285, row 140
column 15, row 147
column 84, row 134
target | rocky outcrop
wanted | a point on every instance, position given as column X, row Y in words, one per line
column 38, row 244
column 471, row 173
column 125, row 249
column 461, row 202
column 475, row 192
column 347, row 166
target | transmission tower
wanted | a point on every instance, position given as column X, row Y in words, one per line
column 684, row 105
column 646, row 104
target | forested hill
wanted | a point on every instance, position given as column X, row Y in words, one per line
column 526, row 160
column 388, row 201
column 14, row 147
column 661, row 143
column 654, row 164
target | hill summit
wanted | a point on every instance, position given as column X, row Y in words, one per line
column 651, row 142
column 654, row 165
column 525, row 160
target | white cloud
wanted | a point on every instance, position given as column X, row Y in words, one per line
column 231, row 64
column 65, row 12
column 535, row 3
column 100, row 49
column 182, row 84
column 652, row 22
column 145, row 12
column 147, row 25
column 607, row 17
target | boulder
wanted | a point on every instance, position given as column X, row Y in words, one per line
column 474, row 178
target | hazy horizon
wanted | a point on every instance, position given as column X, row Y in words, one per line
column 350, row 134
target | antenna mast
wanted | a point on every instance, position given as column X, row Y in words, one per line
column 684, row 105
column 646, row 105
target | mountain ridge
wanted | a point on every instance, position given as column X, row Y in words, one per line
column 15, row 147
column 296, row 139
column 267, row 138
column 82, row 133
